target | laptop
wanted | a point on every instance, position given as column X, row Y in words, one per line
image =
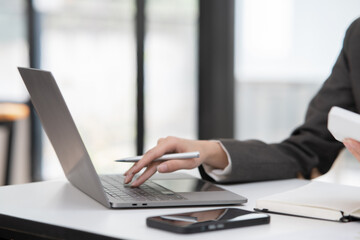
column 109, row 189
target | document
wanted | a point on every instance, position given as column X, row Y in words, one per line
column 344, row 124
column 317, row 199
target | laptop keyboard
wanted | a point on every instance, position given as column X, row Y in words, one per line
column 149, row 191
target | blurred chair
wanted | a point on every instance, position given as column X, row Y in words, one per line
column 9, row 114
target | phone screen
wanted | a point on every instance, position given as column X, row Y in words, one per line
column 208, row 220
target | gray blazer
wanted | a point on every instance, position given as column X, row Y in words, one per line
column 311, row 145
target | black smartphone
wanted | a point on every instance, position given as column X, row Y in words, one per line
column 209, row 220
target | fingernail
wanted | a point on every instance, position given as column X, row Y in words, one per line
column 134, row 183
column 162, row 168
column 127, row 179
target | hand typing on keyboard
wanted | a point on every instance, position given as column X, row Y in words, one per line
column 211, row 153
column 114, row 187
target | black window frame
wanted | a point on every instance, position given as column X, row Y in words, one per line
column 216, row 69
column 34, row 48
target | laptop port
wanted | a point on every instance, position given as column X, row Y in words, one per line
column 144, row 204
column 134, row 204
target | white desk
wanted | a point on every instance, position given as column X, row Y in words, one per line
column 59, row 203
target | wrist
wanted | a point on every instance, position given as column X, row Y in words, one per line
column 215, row 156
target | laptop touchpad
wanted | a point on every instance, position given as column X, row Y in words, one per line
column 187, row 185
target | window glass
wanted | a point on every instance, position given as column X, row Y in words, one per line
column 285, row 49
column 14, row 53
column 170, row 69
column 89, row 45
column 14, row 50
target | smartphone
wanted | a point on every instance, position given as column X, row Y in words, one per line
column 209, row 220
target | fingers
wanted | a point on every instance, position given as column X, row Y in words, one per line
column 160, row 140
column 150, row 170
column 128, row 176
column 353, row 146
column 174, row 165
column 165, row 145
column 165, row 167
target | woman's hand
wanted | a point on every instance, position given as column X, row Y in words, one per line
column 211, row 153
column 353, row 146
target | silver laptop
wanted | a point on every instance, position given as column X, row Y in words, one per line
column 109, row 190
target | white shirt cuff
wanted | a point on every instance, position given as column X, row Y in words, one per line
column 219, row 175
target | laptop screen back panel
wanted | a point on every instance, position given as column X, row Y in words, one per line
column 62, row 132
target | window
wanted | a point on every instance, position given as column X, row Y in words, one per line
column 90, row 48
column 13, row 48
column 170, row 70
column 285, row 49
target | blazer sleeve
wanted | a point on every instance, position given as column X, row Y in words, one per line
column 310, row 145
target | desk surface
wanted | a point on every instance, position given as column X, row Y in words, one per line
column 59, row 203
